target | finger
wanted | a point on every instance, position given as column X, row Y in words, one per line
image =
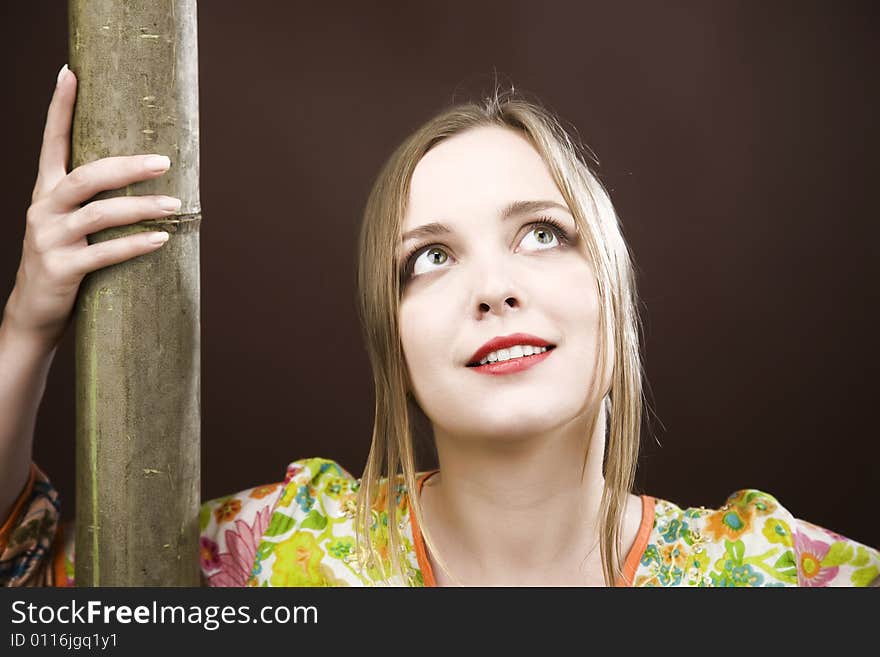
column 85, row 181
column 111, row 252
column 117, row 211
column 55, row 150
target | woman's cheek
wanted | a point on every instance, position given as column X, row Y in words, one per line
column 420, row 335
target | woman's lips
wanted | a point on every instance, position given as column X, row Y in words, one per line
column 505, row 342
column 513, row 365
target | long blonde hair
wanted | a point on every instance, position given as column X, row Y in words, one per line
column 392, row 453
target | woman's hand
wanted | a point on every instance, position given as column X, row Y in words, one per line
column 56, row 255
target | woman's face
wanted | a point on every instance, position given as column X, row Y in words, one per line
column 495, row 265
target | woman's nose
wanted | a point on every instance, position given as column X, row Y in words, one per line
column 498, row 307
column 495, row 292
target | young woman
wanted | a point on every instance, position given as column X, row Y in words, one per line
column 497, row 299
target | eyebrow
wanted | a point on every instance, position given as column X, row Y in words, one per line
column 515, row 209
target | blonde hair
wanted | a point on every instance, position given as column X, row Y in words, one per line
column 392, row 452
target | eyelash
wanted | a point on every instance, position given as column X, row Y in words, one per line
column 409, row 260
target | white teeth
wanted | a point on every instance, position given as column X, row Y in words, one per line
column 517, row 351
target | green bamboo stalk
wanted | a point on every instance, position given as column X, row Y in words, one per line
column 137, row 323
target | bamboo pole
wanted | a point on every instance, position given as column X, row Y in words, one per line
column 137, row 323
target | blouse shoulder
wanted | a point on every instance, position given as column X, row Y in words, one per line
column 230, row 528
column 751, row 540
column 311, row 540
column 297, row 532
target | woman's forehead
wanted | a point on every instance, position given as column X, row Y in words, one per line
column 479, row 170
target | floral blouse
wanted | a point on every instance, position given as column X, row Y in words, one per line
column 299, row 532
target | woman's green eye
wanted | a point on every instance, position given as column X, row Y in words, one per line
column 436, row 256
column 427, row 261
column 542, row 236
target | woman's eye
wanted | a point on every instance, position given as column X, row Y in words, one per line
column 541, row 237
column 429, row 260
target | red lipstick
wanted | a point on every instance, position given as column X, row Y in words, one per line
column 514, row 364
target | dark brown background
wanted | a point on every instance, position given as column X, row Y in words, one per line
column 738, row 140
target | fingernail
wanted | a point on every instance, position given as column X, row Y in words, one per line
column 61, row 75
column 158, row 238
column 157, row 162
column 168, row 203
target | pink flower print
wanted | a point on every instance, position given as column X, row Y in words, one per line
column 810, row 554
column 241, row 543
column 208, row 556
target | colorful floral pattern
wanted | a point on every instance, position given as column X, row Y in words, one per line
column 749, row 542
column 300, row 533
column 209, row 554
column 227, row 510
column 26, row 541
column 236, row 557
column 310, row 538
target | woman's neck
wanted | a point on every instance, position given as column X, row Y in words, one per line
column 518, row 513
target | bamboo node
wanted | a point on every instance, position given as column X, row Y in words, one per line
column 178, row 219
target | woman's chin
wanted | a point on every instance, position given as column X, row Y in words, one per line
column 506, row 424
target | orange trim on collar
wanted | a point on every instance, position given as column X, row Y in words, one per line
column 418, row 542
column 638, row 547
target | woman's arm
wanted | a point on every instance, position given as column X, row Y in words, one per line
column 24, row 365
column 56, row 256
